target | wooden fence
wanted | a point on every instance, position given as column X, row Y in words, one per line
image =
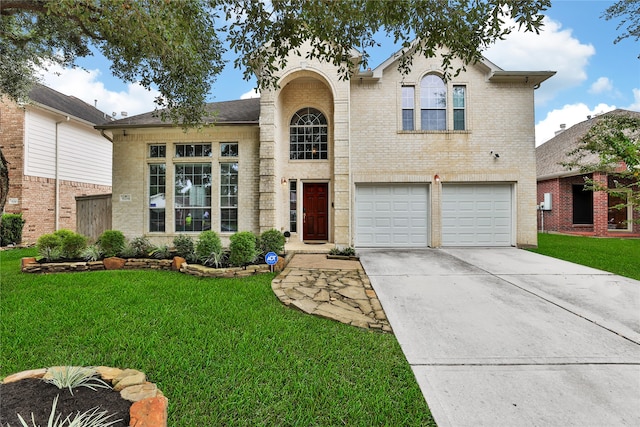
column 93, row 215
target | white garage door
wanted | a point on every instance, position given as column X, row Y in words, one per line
column 476, row 215
column 391, row 215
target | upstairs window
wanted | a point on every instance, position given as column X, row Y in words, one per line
column 193, row 150
column 157, row 151
column 229, row 149
column 408, row 99
column 433, row 103
column 308, row 135
column 459, row 106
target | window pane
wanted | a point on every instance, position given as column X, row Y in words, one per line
column 228, row 197
column 293, row 206
column 157, row 188
column 192, row 196
column 582, row 205
column 157, row 151
column 308, row 135
column 458, row 119
column 458, row 97
column 229, row 149
column 433, row 92
column 193, row 150
column 618, row 212
column 407, row 120
column 433, row 120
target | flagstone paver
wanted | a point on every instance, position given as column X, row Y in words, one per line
column 334, row 289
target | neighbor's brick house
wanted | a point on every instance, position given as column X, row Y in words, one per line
column 381, row 160
column 574, row 210
column 54, row 154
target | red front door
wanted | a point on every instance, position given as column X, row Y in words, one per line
column 315, row 211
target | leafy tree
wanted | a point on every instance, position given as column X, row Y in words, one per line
column 178, row 46
column 629, row 11
column 612, row 145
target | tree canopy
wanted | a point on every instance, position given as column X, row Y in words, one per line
column 629, row 13
column 612, row 145
column 178, row 46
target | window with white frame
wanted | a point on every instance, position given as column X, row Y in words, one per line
column 459, row 107
column 408, row 102
column 192, row 196
column 308, row 135
column 228, row 197
column 433, row 103
column 157, row 199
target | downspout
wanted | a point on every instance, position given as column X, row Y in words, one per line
column 57, row 175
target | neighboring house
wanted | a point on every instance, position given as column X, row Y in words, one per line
column 55, row 155
column 574, row 210
column 381, row 160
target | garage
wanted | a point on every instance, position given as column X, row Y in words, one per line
column 476, row 215
column 391, row 215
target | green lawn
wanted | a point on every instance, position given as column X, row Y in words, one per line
column 619, row 256
column 224, row 351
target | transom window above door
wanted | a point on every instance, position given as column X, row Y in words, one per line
column 308, row 135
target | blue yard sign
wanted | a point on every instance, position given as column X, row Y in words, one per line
column 271, row 258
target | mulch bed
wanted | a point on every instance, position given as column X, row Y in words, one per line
column 35, row 396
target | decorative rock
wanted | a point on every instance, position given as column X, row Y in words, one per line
column 149, row 413
column 280, row 264
column 26, row 261
column 138, row 392
column 107, row 373
column 128, row 378
column 33, row 373
column 114, row 263
column 177, row 262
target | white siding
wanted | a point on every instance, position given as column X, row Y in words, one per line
column 84, row 155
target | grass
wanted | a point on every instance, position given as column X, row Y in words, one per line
column 224, row 351
column 619, row 256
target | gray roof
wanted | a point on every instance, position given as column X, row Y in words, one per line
column 242, row 111
column 69, row 105
column 552, row 153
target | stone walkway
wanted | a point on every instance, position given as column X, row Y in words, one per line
column 331, row 288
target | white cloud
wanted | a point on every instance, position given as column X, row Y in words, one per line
column 635, row 106
column 554, row 49
column 601, row 85
column 253, row 93
column 84, row 84
column 569, row 115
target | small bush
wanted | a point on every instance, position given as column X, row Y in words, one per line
column 71, row 244
column 112, row 243
column 11, row 229
column 209, row 248
column 91, row 253
column 185, row 247
column 49, row 247
column 271, row 241
column 348, row 251
column 161, row 252
column 243, row 248
column 141, row 247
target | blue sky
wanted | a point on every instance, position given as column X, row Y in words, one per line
column 593, row 75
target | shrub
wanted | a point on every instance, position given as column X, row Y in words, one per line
column 209, row 248
column 141, row 247
column 185, row 247
column 112, row 242
column 161, row 252
column 348, row 251
column 243, row 248
column 11, row 229
column 91, row 253
column 49, row 247
column 271, row 241
column 71, row 244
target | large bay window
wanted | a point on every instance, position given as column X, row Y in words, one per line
column 308, row 135
column 433, row 103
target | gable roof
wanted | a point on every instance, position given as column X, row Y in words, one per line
column 238, row 112
column 52, row 100
column 552, row 153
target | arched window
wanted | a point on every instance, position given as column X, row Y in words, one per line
column 433, row 103
column 308, row 135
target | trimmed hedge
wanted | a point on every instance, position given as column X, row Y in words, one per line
column 11, row 229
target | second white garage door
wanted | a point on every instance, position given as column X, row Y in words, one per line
column 476, row 215
column 391, row 215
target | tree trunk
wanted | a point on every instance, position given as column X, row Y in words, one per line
column 4, row 181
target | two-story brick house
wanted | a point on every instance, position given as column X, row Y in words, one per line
column 54, row 155
column 381, row 160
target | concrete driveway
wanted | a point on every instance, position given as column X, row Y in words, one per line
column 506, row 337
